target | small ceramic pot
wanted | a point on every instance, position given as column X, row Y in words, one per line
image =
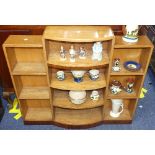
column 95, row 95
column 78, row 75
column 94, row 74
column 60, row 75
column 115, row 87
column 77, row 96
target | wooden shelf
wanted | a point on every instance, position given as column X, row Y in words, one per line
column 34, row 93
column 123, row 71
column 86, row 84
column 38, row 114
column 61, row 99
column 122, row 95
column 54, row 60
column 78, row 117
column 29, row 69
column 143, row 42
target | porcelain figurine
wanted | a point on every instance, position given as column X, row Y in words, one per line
column 94, row 74
column 117, row 107
column 72, row 53
column 77, row 96
column 116, row 65
column 95, row 95
column 78, row 75
column 97, row 51
column 130, row 84
column 82, row 53
column 131, row 35
column 115, row 87
column 62, row 53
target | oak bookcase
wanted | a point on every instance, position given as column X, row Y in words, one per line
column 33, row 61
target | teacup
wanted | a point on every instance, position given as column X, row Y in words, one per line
column 60, row 75
column 78, row 75
column 94, row 74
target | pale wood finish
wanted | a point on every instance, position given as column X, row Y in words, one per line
column 78, row 33
column 78, row 117
column 61, row 99
column 31, row 68
column 69, row 84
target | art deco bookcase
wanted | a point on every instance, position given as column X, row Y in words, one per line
column 33, row 61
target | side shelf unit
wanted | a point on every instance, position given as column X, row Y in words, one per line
column 33, row 61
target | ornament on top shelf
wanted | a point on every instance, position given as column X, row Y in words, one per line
column 131, row 35
column 62, row 53
column 72, row 53
column 116, row 65
column 130, row 84
column 97, row 51
column 82, row 53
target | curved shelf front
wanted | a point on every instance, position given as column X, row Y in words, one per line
column 69, row 84
column 61, row 99
column 54, row 60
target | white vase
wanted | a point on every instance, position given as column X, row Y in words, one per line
column 97, row 51
column 117, row 104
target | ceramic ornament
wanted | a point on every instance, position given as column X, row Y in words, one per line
column 115, row 87
column 72, row 53
column 60, row 75
column 95, row 95
column 97, row 51
column 82, row 53
column 78, row 75
column 62, row 54
column 130, row 84
column 131, row 35
column 116, row 65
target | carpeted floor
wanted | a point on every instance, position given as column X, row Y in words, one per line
column 144, row 117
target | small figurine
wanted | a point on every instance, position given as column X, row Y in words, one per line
column 62, row 53
column 72, row 53
column 97, row 51
column 130, row 84
column 131, row 35
column 116, row 65
column 115, row 87
column 95, row 95
column 60, row 75
column 82, row 53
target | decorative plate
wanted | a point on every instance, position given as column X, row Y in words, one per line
column 132, row 66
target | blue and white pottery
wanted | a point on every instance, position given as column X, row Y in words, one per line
column 78, row 75
column 94, row 74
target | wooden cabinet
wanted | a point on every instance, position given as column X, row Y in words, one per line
column 33, row 62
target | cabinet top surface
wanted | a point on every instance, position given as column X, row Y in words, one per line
column 24, row 41
column 143, row 41
column 78, row 33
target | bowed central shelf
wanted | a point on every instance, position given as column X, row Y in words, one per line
column 33, row 61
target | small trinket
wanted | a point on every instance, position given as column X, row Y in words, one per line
column 78, row 75
column 116, row 65
column 60, row 75
column 82, row 53
column 115, row 87
column 72, row 53
column 94, row 74
column 130, row 84
column 95, row 95
column 97, row 51
column 62, row 53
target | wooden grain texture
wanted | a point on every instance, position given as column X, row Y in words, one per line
column 143, row 42
column 34, row 93
column 23, row 41
column 29, row 69
column 86, row 84
column 78, row 33
column 78, row 117
column 61, row 99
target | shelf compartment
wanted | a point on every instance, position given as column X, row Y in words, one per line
column 29, row 69
column 78, row 117
column 61, row 99
column 69, row 84
column 124, row 94
column 124, row 116
column 31, row 87
column 53, row 54
column 139, row 55
column 19, row 55
column 36, row 110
